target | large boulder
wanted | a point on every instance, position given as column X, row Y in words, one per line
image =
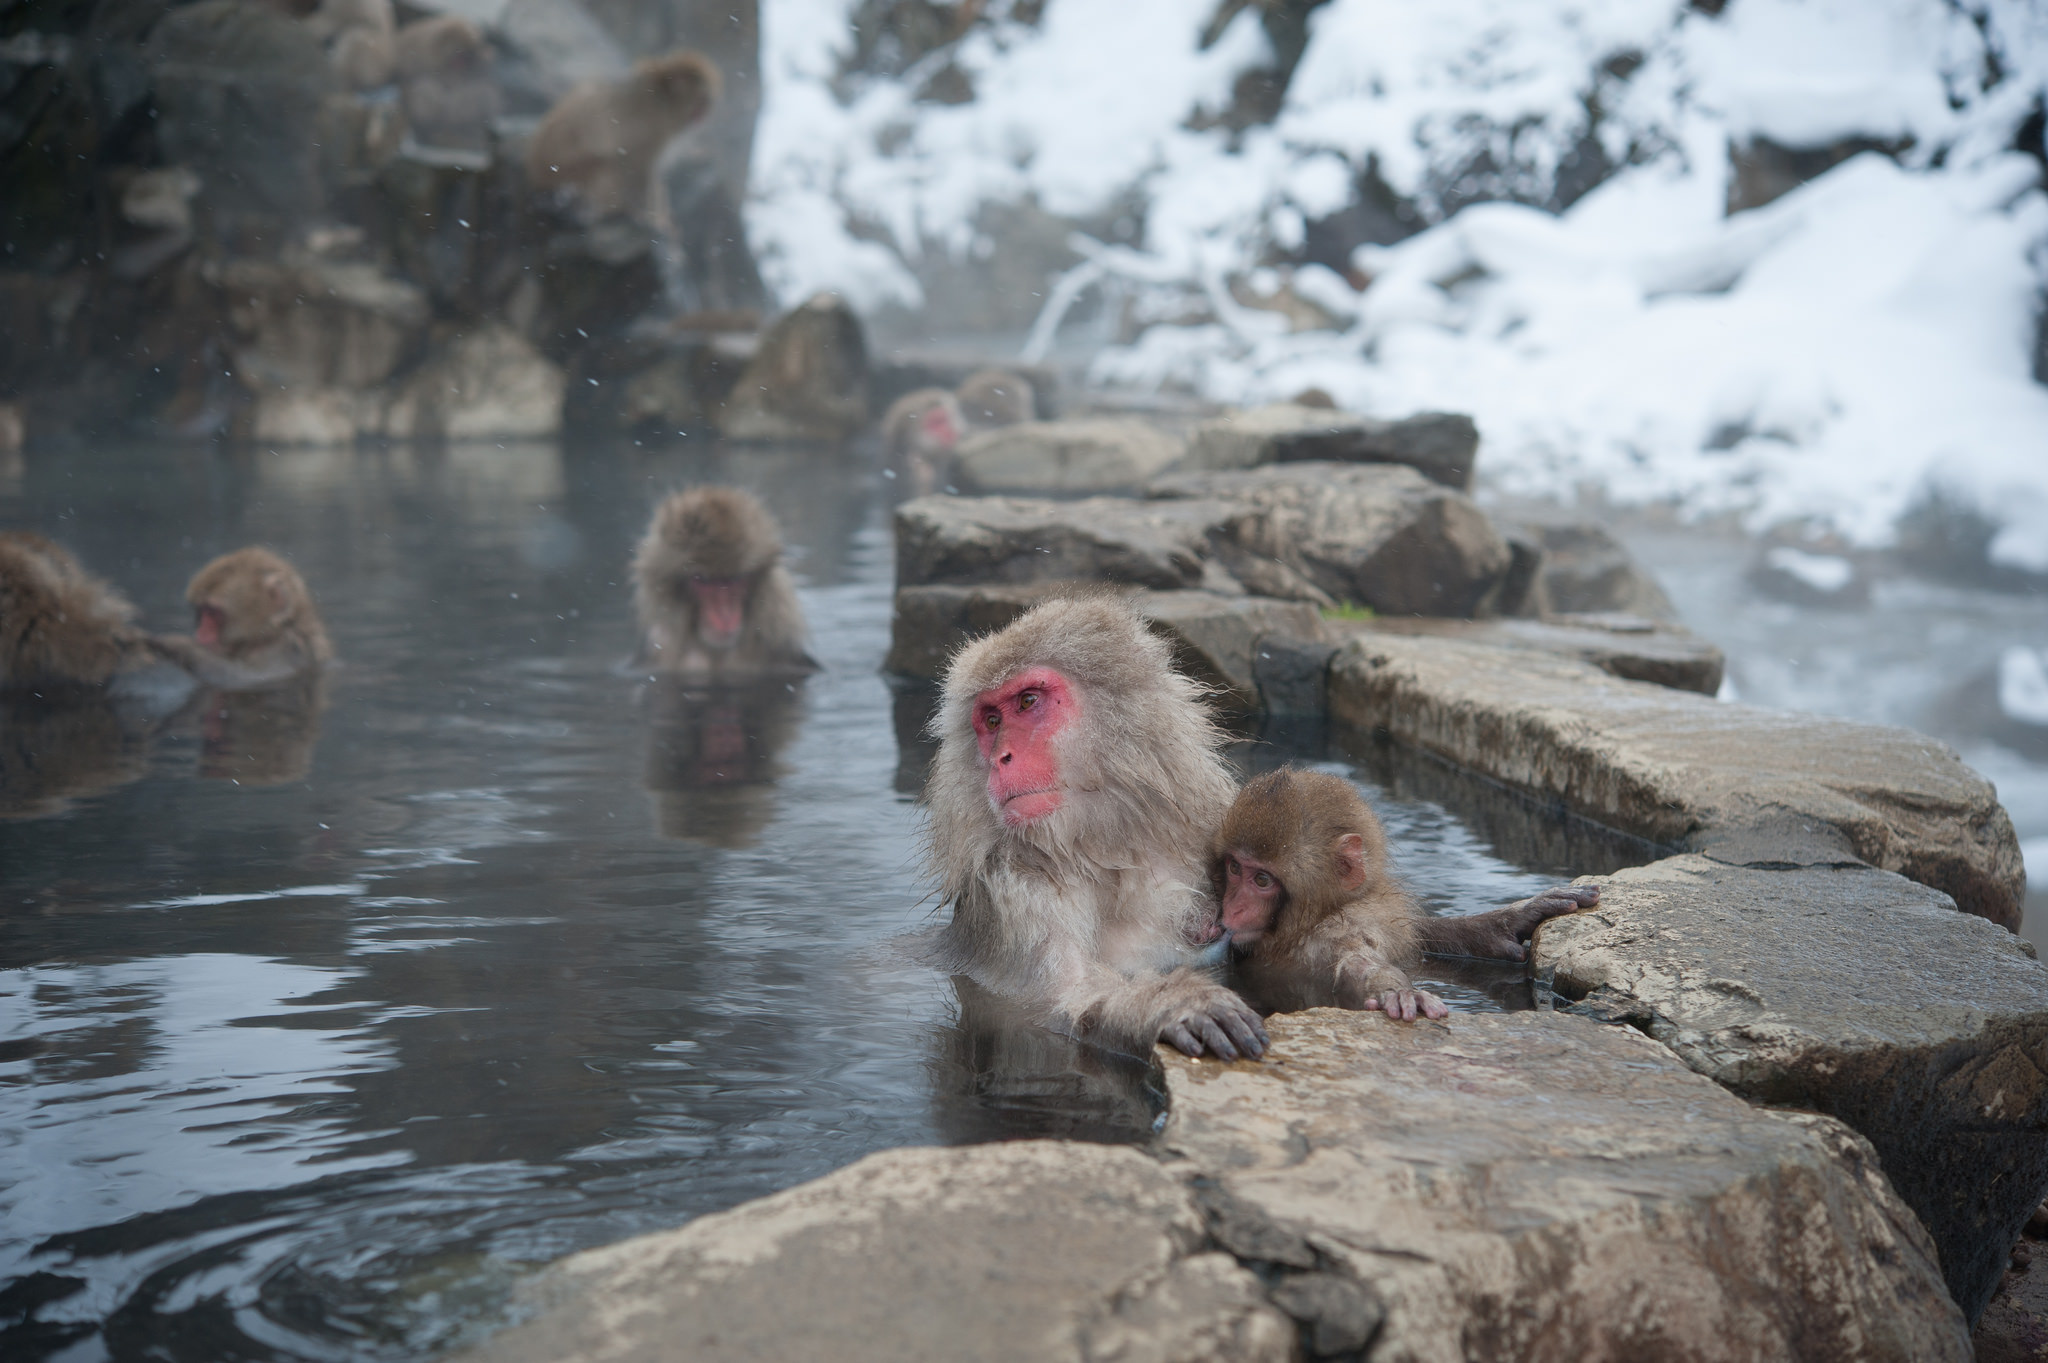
column 808, row 381
column 1580, row 568
column 1743, row 784
column 1380, row 535
column 1031, row 1250
column 1442, row 445
column 1535, row 1186
column 1015, row 540
column 483, row 382
column 1624, row 645
column 1100, row 454
column 1847, row 991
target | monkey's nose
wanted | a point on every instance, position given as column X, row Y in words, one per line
column 1005, row 758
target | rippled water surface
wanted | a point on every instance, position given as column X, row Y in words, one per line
column 322, row 1019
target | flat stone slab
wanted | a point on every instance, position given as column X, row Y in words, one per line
column 1381, row 535
column 1746, row 785
column 1624, row 645
column 1026, row 1251
column 1090, row 454
column 1847, row 991
column 1017, row 539
column 1536, row 1186
column 1442, row 445
column 1215, row 637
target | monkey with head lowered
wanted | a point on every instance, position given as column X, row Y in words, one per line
column 923, row 428
column 1299, row 870
column 254, row 624
column 1070, row 806
column 601, row 140
column 59, row 625
column 714, row 601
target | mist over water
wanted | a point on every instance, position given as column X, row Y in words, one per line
column 320, row 1025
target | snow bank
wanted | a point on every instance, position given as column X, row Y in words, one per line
column 1836, row 353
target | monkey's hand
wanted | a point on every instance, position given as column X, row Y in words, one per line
column 1518, row 922
column 1403, row 1005
column 1366, row 982
column 1219, row 1022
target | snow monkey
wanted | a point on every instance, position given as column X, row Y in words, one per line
column 445, row 82
column 714, row 601
column 1299, row 867
column 1077, row 783
column 60, row 625
column 602, row 138
column 253, row 624
column 921, row 430
column 358, row 34
column 996, row 397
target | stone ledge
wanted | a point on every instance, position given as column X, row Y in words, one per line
column 1531, row 1185
column 1624, row 646
column 1745, row 785
column 1851, row 992
column 1026, row 1251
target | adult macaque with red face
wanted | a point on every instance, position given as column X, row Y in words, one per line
column 921, row 430
column 1299, row 867
column 1077, row 781
column 715, row 603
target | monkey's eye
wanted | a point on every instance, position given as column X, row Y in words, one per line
column 993, row 719
column 1027, row 701
column 1230, row 865
column 1262, row 879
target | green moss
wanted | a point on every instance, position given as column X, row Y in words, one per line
column 1349, row 610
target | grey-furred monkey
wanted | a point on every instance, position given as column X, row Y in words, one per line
column 714, row 601
column 600, row 141
column 59, row 625
column 254, row 624
column 1070, row 806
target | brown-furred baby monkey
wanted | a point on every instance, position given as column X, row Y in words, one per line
column 59, row 625
column 714, row 601
column 1299, row 868
column 253, row 624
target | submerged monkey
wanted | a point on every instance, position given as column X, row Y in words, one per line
column 59, row 625
column 253, row 623
column 1314, row 917
column 714, row 601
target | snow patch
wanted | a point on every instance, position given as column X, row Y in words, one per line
column 1822, row 572
column 2023, row 685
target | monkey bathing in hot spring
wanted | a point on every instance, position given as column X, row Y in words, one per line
column 714, row 601
column 1072, row 806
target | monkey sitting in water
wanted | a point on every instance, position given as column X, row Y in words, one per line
column 923, row 428
column 1299, row 869
column 714, row 601
column 59, row 625
column 253, row 624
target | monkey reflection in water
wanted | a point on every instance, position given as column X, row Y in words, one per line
column 722, row 636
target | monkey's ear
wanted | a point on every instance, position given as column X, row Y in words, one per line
column 1351, row 861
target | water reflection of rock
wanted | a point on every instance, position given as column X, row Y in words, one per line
column 996, row 1076
column 261, row 738
column 55, row 751
column 714, row 757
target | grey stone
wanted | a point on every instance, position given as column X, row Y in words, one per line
column 1681, row 770
column 1378, row 534
column 1442, row 445
column 1585, row 569
column 1030, row 1250
column 1099, row 454
column 1342, row 1314
column 1013, row 539
column 1293, row 675
column 482, row 383
column 1215, row 638
column 1852, row 992
column 1626, row 646
column 1534, row 1185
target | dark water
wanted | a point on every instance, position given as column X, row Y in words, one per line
column 321, row 1021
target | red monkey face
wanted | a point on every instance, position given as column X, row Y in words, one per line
column 937, row 428
column 1015, row 724
column 721, row 609
column 206, row 624
column 1252, row 895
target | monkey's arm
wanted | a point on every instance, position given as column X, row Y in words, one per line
column 1363, row 950
column 266, row 667
column 1498, row 935
column 1185, row 1008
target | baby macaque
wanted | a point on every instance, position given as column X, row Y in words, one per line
column 600, row 141
column 1299, row 867
column 59, row 625
column 445, row 82
column 253, row 624
column 921, row 430
column 1076, row 785
column 996, row 397
column 714, row 601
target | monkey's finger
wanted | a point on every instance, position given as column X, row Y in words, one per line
column 1432, row 1006
column 1177, row 1036
column 1212, row 1037
column 1246, row 1032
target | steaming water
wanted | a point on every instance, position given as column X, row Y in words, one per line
column 317, row 1027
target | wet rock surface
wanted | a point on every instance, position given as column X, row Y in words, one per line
column 1016, row 540
column 1444, row 446
column 1030, row 1250
column 1101, row 454
column 1847, row 991
column 1626, row 646
column 1530, row 1185
column 1743, row 784
column 1578, row 567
